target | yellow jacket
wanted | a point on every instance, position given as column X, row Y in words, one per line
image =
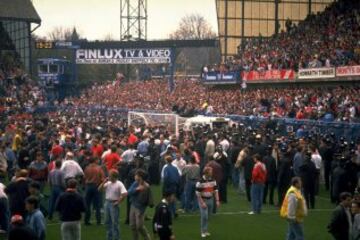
column 294, row 206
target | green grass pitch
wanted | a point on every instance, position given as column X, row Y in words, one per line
column 231, row 222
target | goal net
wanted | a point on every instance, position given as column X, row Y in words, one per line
column 172, row 122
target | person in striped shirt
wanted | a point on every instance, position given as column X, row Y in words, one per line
column 206, row 191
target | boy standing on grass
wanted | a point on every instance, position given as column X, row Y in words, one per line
column 206, row 191
column 115, row 192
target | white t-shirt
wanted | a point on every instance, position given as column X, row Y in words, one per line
column 71, row 169
column 316, row 158
column 180, row 164
column 128, row 155
column 114, row 190
column 225, row 145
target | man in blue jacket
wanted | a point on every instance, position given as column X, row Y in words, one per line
column 140, row 197
column 171, row 181
column 35, row 219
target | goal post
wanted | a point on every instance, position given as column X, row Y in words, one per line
column 172, row 122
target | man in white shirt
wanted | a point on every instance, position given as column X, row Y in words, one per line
column 179, row 162
column 225, row 144
column 209, row 149
column 115, row 192
column 317, row 160
column 71, row 168
column 129, row 155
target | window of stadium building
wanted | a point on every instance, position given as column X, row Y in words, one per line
column 18, row 32
column 238, row 19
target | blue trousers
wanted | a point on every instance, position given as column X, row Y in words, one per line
column 295, row 231
column 190, row 196
column 204, row 214
column 54, row 195
column 92, row 196
column 112, row 214
column 235, row 177
column 242, row 188
column 257, row 195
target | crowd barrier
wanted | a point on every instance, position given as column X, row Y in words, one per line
column 285, row 126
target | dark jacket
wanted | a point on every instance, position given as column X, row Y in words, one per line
column 339, row 224
column 17, row 192
column 70, row 205
column 171, row 179
column 285, row 173
column 259, row 148
column 339, row 182
column 140, row 200
column 162, row 221
column 308, row 174
column 248, row 164
column 270, row 164
column 22, row 232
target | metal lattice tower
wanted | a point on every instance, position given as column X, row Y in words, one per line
column 133, row 20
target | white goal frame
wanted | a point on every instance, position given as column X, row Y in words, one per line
column 178, row 122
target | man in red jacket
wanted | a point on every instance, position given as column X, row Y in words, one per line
column 258, row 179
column 57, row 151
column 112, row 160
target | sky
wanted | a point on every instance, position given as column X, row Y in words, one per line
column 95, row 19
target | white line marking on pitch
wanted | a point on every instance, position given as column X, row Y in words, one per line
column 233, row 213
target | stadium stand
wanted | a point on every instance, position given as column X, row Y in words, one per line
column 329, row 38
column 191, row 97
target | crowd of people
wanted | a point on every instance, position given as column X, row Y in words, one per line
column 326, row 39
column 83, row 160
column 18, row 92
column 190, row 97
column 79, row 154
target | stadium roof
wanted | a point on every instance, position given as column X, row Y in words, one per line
column 18, row 10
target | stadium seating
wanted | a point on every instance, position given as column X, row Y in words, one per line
column 329, row 38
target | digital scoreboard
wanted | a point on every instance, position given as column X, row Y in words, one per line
column 44, row 45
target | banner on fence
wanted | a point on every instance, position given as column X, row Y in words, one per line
column 231, row 77
column 123, row 56
column 268, row 75
column 348, row 71
column 314, row 73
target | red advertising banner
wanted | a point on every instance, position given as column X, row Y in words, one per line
column 348, row 71
column 268, row 75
